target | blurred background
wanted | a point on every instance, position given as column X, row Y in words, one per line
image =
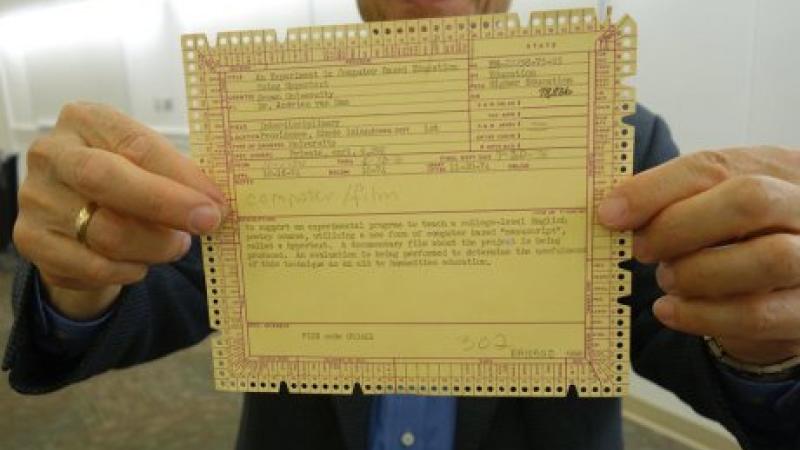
column 721, row 72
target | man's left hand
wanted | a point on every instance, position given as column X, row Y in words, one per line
column 725, row 228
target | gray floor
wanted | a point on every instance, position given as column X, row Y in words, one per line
column 166, row 405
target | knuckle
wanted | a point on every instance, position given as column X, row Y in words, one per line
column 757, row 318
column 73, row 112
column 713, row 165
column 135, row 146
column 24, row 236
column 27, row 197
column 40, row 150
column 89, row 173
column 27, row 241
column 155, row 204
column 780, row 256
column 756, row 198
column 97, row 271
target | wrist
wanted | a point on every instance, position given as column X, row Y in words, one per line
column 81, row 305
column 759, row 352
column 776, row 366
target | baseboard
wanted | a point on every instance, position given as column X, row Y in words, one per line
column 675, row 427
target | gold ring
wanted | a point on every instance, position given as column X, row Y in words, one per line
column 82, row 221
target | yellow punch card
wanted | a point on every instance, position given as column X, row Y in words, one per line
column 413, row 204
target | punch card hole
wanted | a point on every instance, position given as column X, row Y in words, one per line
column 226, row 113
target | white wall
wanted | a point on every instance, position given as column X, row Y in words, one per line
column 56, row 78
column 722, row 73
column 773, row 116
column 5, row 133
column 137, row 70
column 716, row 70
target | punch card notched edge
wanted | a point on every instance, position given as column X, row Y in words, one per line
column 241, row 43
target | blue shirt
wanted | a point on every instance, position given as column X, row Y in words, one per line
column 406, row 421
column 399, row 422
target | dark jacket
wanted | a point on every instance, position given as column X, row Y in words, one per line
column 168, row 312
column 8, row 199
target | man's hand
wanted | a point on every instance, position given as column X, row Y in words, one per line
column 149, row 198
column 725, row 227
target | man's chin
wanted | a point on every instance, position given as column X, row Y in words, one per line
column 419, row 9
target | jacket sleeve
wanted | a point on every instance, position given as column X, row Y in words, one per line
column 165, row 312
column 677, row 361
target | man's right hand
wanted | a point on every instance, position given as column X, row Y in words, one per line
column 149, row 199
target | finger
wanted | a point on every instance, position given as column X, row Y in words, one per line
column 104, row 127
column 65, row 260
column 762, row 264
column 121, row 238
column 773, row 315
column 114, row 182
column 49, row 203
column 737, row 207
column 638, row 199
column 117, row 237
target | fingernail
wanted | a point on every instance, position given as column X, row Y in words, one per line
column 186, row 243
column 664, row 310
column 224, row 211
column 612, row 210
column 665, row 276
column 204, row 219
